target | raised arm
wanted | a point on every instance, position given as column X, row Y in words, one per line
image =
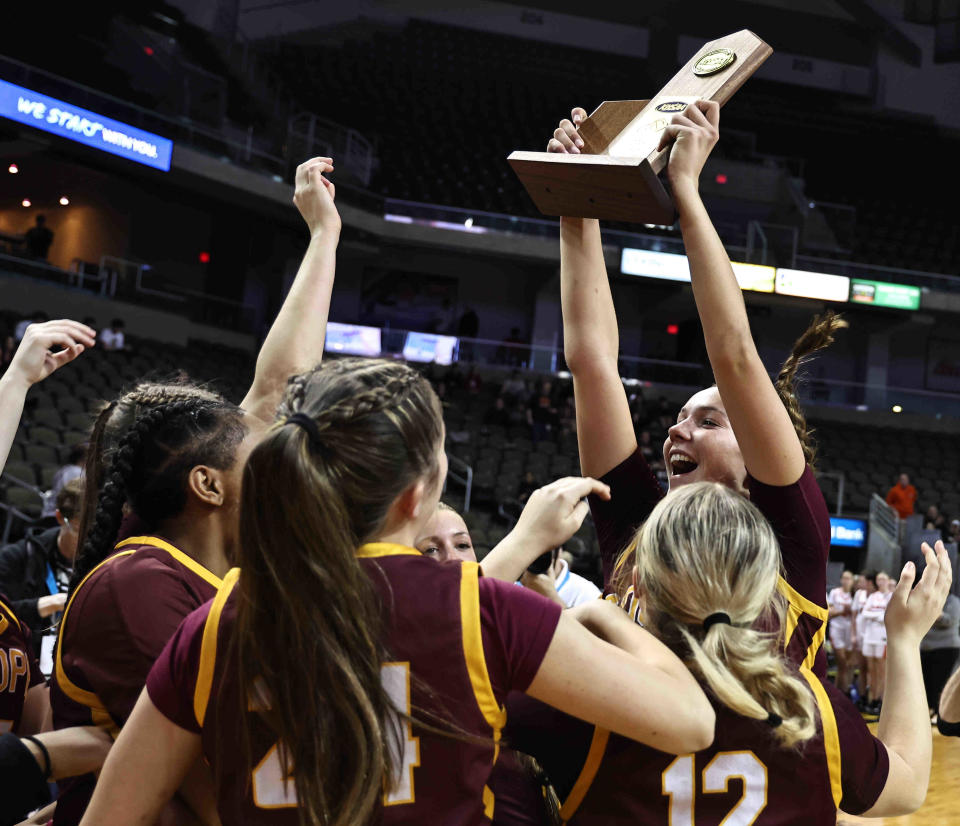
column 771, row 450
column 45, row 348
column 904, row 722
column 295, row 341
column 590, row 677
column 591, row 340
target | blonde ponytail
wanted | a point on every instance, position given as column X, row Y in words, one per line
column 742, row 669
column 706, row 550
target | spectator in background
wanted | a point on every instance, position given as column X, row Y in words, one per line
column 511, row 352
column 7, row 345
column 527, row 486
column 639, row 411
column 648, row 448
column 473, row 382
column 443, row 320
column 73, row 469
column 469, row 325
column 468, row 329
column 939, row 650
column 38, row 239
column 541, row 413
column 35, row 572
column 36, row 317
column 953, row 533
column 498, row 415
column 112, row 337
column 514, row 388
column 902, row 497
column 933, row 520
column 568, row 416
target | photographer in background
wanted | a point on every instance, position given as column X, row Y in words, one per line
column 35, row 572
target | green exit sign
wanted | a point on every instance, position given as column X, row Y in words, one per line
column 885, row 294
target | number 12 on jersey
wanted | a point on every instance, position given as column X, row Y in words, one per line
column 271, row 790
column 679, row 784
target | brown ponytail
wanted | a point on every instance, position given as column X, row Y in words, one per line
column 308, row 618
column 817, row 336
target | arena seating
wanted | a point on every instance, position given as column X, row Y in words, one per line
column 471, row 112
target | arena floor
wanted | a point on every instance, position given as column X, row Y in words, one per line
column 941, row 806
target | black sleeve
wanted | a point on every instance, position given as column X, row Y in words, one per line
column 13, row 568
column 13, row 582
column 22, row 787
column 948, row 729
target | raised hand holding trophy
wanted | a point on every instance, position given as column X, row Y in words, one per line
column 615, row 176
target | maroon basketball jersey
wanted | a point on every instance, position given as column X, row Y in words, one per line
column 18, row 670
column 435, row 638
column 798, row 515
column 114, row 627
column 744, row 779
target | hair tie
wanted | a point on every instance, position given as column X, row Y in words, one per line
column 43, row 751
column 713, row 619
column 309, row 425
column 774, row 720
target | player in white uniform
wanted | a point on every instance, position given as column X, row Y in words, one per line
column 857, row 662
column 840, row 602
column 875, row 637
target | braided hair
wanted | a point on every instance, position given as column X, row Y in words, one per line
column 353, row 434
column 149, row 466
column 816, row 337
column 112, row 422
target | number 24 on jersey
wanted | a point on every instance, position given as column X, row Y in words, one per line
column 273, row 790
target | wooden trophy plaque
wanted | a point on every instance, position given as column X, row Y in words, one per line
column 615, row 176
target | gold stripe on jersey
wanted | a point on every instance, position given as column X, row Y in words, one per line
column 208, row 647
column 492, row 711
column 488, row 801
column 797, row 606
column 188, row 562
column 374, row 549
column 4, row 608
column 831, row 734
column 79, row 695
column 591, row 766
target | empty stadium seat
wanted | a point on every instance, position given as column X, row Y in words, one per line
column 23, row 471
